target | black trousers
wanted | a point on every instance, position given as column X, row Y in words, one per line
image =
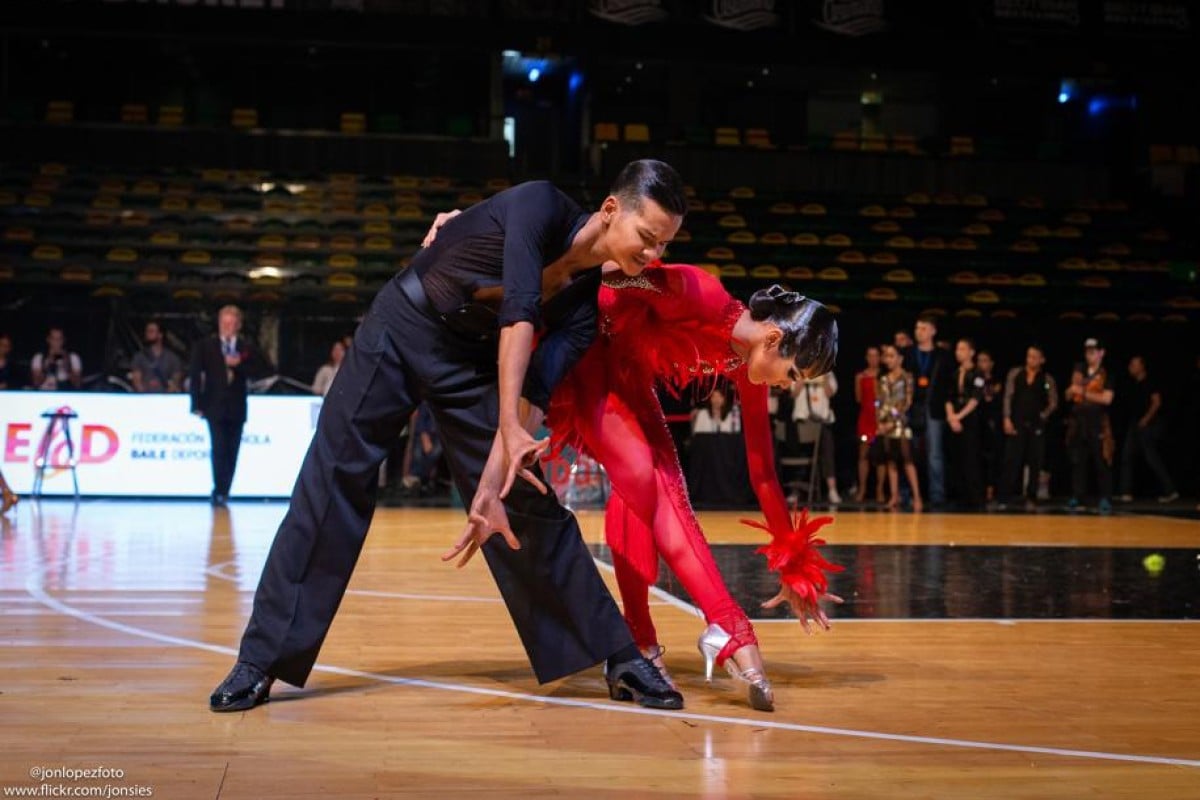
column 966, row 453
column 1144, row 442
column 1087, row 446
column 403, row 354
column 1026, row 450
column 225, row 436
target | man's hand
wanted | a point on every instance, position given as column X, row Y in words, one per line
column 486, row 518
column 1009, row 428
column 955, row 424
column 438, row 221
column 805, row 611
column 521, row 452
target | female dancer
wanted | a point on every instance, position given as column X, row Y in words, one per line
column 677, row 324
column 864, row 394
column 894, row 437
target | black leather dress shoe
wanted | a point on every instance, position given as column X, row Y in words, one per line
column 245, row 687
column 638, row 680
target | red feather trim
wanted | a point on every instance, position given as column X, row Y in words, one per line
column 794, row 554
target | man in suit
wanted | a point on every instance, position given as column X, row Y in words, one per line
column 932, row 369
column 221, row 368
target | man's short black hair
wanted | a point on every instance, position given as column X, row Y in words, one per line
column 654, row 179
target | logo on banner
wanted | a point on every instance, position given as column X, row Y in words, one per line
column 96, row 444
column 851, row 17
column 1160, row 16
column 743, row 15
column 1054, row 12
column 628, row 12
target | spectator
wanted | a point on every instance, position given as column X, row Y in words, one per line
column 155, row 368
column 719, row 416
column 902, row 341
column 991, row 423
column 932, row 371
column 1030, row 397
column 8, row 379
column 328, row 371
column 812, row 405
column 424, row 453
column 1089, row 431
column 893, row 434
column 1145, row 431
column 865, row 394
column 56, row 369
column 963, row 416
column 221, row 368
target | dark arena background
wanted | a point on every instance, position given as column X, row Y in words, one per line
column 997, row 183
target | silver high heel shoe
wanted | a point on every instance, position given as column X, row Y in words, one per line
column 712, row 641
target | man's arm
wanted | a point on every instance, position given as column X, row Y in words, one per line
column 196, row 376
column 1051, row 397
column 1152, row 411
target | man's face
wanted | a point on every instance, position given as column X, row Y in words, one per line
column 152, row 334
column 228, row 324
column 1136, row 367
column 985, row 363
column 902, row 340
column 635, row 235
column 1034, row 359
column 55, row 341
column 964, row 353
column 924, row 333
column 1093, row 355
column 5, row 346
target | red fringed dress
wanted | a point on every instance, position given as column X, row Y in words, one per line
column 674, row 324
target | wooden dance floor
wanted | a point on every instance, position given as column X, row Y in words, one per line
column 977, row 657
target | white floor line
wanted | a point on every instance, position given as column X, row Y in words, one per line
column 33, row 586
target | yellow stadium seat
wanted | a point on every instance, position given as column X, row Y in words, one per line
column 683, row 236
column 1106, row 265
column 833, row 274
column 497, row 184
column 1106, row 316
column 121, row 255
column 1025, row 246
column 353, row 122
column 170, row 116
column 696, row 204
column 799, row 274
column 727, row 137
column 901, row 242
column 76, row 274
column 983, row 296
column 164, row 238
column 963, row 243
column 342, row 280
column 405, row 182
column 742, row 193
column 47, row 252
column 1074, row 263
column 135, row 114
column 899, row 276
column 469, row 199
column 741, row 237
column 342, row 261
column 813, row 210
column 945, row 199
column 918, row 199
column 437, row 183
column 903, row 212
column 722, row 207
column 275, row 260
column 174, row 203
column 905, row 143
column 1067, row 232
column 1031, row 279
column 1095, row 282
column 19, row 234
column 884, row 258
column 774, row 238
column 882, row 293
column 965, row 278
column 837, row 240
column 60, row 112
column 637, row 132
column 106, row 201
column 851, row 257
column 990, row 215
column 977, row 229
column 374, row 227
column 732, row 221
column 198, row 257
column 886, row 226
column 782, row 208
column 343, row 241
column 377, row 210
column 208, row 205
column 152, row 275
column 733, row 271
column 377, row 243
column 932, row 243
column 758, row 137
column 806, row 239
column 968, row 313
column 962, row 145
column 873, row 211
column 606, row 132
column 719, row 254
column 244, row 118
column 134, row 219
column 409, row 211
column 999, row 279
column 765, row 271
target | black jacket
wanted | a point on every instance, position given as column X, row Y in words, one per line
column 934, row 390
column 213, row 393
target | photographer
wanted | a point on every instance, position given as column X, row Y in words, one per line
column 56, row 369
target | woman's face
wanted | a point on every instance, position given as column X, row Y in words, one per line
column 337, row 352
column 985, row 363
column 872, row 358
column 716, row 399
column 891, row 357
column 964, row 353
column 764, row 364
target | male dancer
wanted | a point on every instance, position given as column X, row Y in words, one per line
column 526, row 259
